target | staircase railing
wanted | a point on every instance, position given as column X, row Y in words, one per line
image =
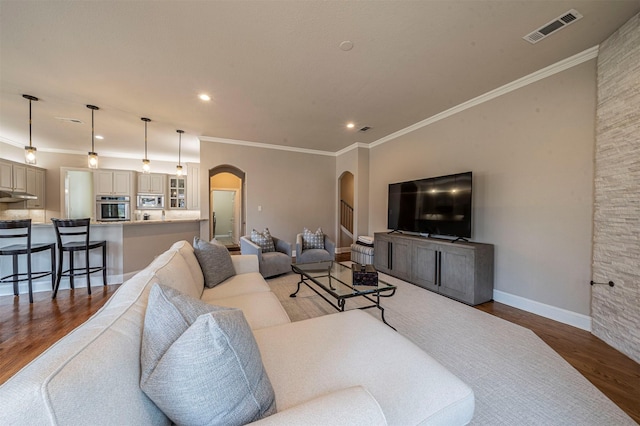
column 346, row 216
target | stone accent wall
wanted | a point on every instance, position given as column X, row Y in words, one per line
column 616, row 233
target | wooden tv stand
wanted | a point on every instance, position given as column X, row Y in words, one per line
column 460, row 270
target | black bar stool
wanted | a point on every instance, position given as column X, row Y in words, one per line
column 73, row 236
column 21, row 230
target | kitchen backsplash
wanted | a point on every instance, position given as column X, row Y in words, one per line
column 36, row 216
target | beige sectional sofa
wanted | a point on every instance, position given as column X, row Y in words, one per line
column 345, row 368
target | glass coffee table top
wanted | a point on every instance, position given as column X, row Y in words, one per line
column 337, row 280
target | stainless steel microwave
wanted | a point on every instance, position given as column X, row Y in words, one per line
column 150, row 201
column 113, row 209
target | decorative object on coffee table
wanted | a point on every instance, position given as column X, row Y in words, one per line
column 364, row 274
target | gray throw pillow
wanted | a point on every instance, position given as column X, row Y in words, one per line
column 215, row 261
column 264, row 240
column 200, row 363
column 312, row 240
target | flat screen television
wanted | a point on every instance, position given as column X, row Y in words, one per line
column 434, row 206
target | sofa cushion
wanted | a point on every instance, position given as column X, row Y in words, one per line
column 200, row 363
column 250, row 282
column 186, row 250
column 263, row 239
column 261, row 309
column 353, row 348
column 330, row 409
column 312, row 240
column 177, row 274
column 215, row 261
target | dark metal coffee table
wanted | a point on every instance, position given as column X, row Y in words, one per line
column 336, row 280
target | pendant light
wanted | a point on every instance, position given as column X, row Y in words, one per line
column 146, row 164
column 30, row 151
column 179, row 166
column 92, row 157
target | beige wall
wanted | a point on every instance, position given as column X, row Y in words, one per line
column 356, row 161
column 616, row 240
column 531, row 152
column 294, row 189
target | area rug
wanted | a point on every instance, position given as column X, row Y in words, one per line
column 517, row 378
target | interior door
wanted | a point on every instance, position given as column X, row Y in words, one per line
column 224, row 209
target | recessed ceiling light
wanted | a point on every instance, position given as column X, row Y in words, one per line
column 350, row 125
column 204, row 97
column 346, row 45
column 99, row 137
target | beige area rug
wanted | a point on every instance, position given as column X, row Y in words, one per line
column 517, row 378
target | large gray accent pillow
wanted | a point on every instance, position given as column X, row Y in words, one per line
column 200, row 363
column 215, row 261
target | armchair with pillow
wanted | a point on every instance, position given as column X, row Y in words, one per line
column 274, row 254
column 314, row 247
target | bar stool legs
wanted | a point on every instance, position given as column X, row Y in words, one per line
column 78, row 231
column 19, row 233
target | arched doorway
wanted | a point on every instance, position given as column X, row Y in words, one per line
column 227, row 204
column 346, row 211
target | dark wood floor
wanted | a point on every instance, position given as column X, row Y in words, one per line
column 27, row 330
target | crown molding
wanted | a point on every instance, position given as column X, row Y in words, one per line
column 351, row 147
column 265, row 146
column 560, row 66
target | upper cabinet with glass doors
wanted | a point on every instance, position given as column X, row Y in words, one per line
column 177, row 192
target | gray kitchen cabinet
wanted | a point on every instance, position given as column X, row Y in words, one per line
column 459, row 270
column 18, row 177
column 152, row 183
column 36, row 186
column 193, row 186
column 177, row 192
column 113, row 182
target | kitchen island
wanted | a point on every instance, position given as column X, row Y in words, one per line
column 131, row 246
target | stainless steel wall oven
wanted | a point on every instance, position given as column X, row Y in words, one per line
column 113, row 209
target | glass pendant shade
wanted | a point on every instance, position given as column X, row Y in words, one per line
column 30, row 151
column 92, row 156
column 92, row 159
column 179, row 166
column 146, row 164
column 30, row 154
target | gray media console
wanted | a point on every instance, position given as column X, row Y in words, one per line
column 460, row 270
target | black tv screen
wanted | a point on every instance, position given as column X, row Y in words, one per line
column 435, row 206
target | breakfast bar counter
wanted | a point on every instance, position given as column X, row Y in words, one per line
column 131, row 246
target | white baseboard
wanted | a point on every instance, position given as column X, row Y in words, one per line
column 557, row 314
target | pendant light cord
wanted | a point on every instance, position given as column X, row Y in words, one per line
column 92, row 132
column 145, row 140
column 30, row 124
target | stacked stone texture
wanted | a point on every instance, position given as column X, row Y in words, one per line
column 615, row 310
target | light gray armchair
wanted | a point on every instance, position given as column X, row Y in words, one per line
column 271, row 263
column 315, row 255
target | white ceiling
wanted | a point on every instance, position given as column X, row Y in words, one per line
column 274, row 68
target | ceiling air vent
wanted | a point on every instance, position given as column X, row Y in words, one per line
column 364, row 129
column 553, row 26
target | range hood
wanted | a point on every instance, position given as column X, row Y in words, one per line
column 15, row 196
